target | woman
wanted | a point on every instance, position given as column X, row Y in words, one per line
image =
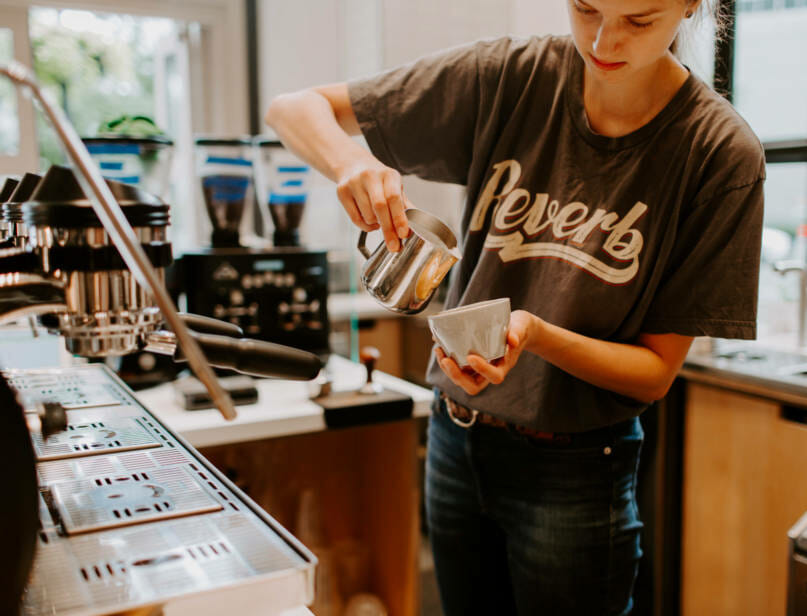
column 617, row 200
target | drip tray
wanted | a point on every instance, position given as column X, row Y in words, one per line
column 112, row 501
column 91, row 438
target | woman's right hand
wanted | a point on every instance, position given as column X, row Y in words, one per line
column 372, row 195
column 316, row 124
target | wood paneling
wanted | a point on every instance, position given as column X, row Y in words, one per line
column 744, row 487
column 365, row 483
column 385, row 335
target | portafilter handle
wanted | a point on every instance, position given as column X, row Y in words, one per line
column 244, row 355
column 121, row 233
column 208, row 325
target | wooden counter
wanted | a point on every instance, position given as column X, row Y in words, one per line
column 743, row 486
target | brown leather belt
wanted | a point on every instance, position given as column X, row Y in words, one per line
column 466, row 417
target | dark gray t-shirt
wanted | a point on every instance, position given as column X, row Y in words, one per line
column 657, row 231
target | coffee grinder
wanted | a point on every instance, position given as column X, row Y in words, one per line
column 275, row 290
column 281, row 182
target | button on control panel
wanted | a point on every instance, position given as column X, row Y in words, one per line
column 279, row 296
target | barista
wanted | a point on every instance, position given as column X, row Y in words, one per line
column 616, row 199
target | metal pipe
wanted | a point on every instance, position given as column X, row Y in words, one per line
column 109, row 212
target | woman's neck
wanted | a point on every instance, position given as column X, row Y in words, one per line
column 617, row 109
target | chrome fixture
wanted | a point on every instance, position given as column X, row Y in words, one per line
column 792, row 265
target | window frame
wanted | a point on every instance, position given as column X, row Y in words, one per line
column 15, row 18
column 784, row 151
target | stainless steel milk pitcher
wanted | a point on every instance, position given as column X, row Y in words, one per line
column 405, row 281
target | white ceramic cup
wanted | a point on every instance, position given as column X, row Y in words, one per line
column 479, row 328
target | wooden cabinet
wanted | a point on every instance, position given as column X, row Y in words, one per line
column 366, row 484
column 405, row 344
column 385, row 334
column 744, row 486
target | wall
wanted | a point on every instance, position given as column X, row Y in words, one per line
column 539, row 17
column 360, row 37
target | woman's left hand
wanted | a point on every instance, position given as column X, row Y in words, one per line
column 480, row 373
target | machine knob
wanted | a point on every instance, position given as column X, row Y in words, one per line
column 299, row 295
column 52, row 417
column 236, row 297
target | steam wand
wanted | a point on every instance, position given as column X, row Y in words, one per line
column 109, row 212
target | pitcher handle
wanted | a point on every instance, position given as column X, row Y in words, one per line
column 361, row 245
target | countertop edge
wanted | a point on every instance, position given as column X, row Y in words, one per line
column 772, row 389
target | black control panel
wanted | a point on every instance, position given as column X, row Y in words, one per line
column 279, row 295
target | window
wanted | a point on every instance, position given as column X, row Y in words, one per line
column 17, row 142
column 770, row 82
column 178, row 63
column 768, row 86
column 97, row 67
column 9, row 125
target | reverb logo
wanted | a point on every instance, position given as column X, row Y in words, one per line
column 527, row 226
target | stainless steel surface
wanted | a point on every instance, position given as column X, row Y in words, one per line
column 30, row 286
column 752, row 368
column 785, row 267
column 88, row 505
column 134, row 519
column 114, row 221
column 108, row 313
column 405, row 281
column 17, row 232
column 95, row 438
column 162, row 341
column 46, row 238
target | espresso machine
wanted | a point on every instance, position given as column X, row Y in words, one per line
column 274, row 290
column 6, row 191
column 11, row 222
column 144, row 162
column 106, row 510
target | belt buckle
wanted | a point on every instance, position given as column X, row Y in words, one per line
column 450, row 404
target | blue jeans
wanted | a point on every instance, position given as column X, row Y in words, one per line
column 521, row 526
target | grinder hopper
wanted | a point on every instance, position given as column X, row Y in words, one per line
column 281, row 180
column 224, row 167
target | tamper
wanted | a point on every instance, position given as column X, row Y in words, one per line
column 370, row 403
column 369, row 356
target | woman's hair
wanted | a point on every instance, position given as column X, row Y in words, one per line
column 712, row 10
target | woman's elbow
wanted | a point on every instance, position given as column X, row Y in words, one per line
column 658, row 391
column 276, row 108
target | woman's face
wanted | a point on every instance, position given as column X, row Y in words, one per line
column 619, row 38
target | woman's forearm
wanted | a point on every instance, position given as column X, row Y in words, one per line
column 633, row 370
column 306, row 123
